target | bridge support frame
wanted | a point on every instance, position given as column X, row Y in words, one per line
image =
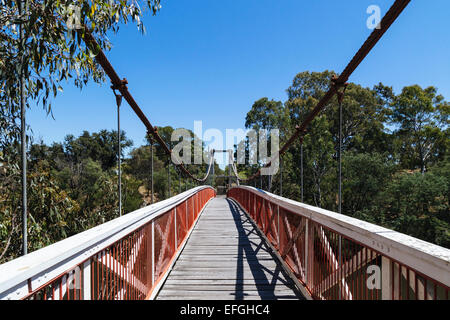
column 301, row 287
column 360, row 260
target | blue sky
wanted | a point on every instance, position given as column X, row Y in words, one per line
column 210, row 60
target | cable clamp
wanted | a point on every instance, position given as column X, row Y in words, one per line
column 337, row 85
column 114, row 87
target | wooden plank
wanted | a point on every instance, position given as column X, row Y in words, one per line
column 233, row 282
column 196, row 273
column 229, row 287
column 236, row 264
column 219, row 258
column 221, row 295
column 224, row 251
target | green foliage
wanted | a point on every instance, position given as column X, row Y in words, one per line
column 52, row 49
column 365, row 175
column 380, row 179
column 73, row 184
column 52, row 211
column 318, row 146
column 266, row 114
column 415, row 204
column 71, row 187
column 421, row 115
column 9, row 205
column 139, row 165
column 132, row 198
column 101, row 146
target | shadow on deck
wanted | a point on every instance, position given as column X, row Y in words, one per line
column 225, row 258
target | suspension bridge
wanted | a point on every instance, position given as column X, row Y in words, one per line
column 247, row 244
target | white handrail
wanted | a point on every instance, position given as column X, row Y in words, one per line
column 427, row 258
column 47, row 263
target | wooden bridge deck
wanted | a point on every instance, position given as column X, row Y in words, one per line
column 225, row 258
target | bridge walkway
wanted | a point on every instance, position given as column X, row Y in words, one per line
column 225, row 258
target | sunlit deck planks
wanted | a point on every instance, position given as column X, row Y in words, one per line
column 225, row 258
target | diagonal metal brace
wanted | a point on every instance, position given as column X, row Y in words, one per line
column 300, row 229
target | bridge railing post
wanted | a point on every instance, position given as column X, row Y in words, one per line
column 175, row 226
column 278, row 226
column 87, row 280
column 153, row 253
column 386, row 279
column 186, row 214
column 306, row 266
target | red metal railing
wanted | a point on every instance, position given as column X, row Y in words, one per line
column 133, row 266
column 352, row 263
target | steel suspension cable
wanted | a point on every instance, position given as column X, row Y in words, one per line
column 208, row 171
column 119, row 151
column 121, row 85
column 393, row 13
column 179, row 180
column 151, row 148
column 168, row 176
column 301, row 168
column 389, row 18
column 281, row 177
column 233, row 165
column 340, row 100
column 23, row 7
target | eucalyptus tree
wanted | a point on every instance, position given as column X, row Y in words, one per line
column 41, row 45
column 51, row 49
column 421, row 116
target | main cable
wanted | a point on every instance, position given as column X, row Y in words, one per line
column 338, row 82
column 121, row 85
